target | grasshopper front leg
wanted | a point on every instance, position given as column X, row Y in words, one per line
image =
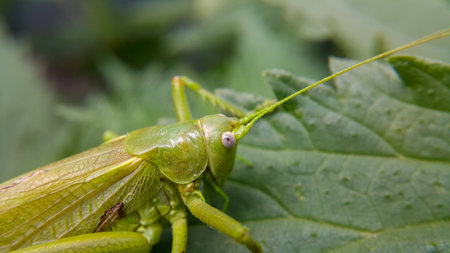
column 181, row 104
column 218, row 220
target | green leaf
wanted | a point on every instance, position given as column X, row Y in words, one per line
column 356, row 166
column 430, row 81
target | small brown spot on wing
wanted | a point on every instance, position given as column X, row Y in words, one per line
column 109, row 217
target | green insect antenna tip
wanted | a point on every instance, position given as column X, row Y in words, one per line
column 246, row 123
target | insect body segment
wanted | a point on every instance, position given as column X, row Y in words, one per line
column 177, row 150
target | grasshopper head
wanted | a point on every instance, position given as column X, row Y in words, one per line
column 220, row 145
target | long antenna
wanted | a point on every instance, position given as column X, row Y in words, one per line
column 246, row 123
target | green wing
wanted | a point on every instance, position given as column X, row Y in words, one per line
column 68, row 197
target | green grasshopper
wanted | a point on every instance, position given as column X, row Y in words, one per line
column 112, row 198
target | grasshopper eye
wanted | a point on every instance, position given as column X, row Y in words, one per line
column 228, row 139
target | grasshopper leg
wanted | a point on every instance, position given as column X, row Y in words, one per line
column 177, row 217
column 211, row 216
column 212, row 183
column 179, row 233
column 166, row 203
column 180, row 102
column 118, row 241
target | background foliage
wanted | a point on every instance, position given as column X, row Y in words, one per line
column 71, row 69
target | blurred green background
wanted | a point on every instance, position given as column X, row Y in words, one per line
column 70, row 70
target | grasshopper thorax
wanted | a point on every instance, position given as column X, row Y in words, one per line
column 220, row 145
